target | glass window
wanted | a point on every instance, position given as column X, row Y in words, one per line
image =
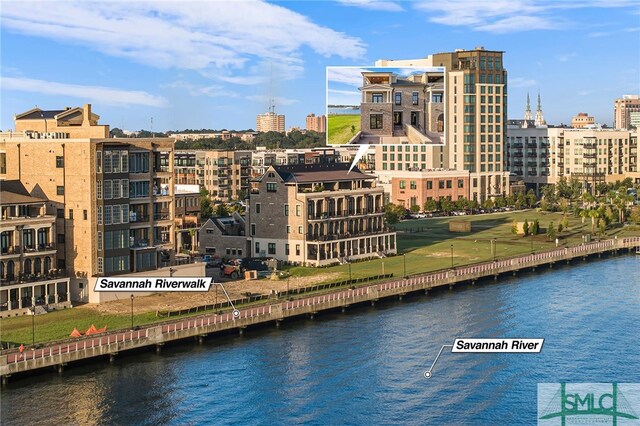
column 376, row 98
column 375, row 121
column 414, row 98
column 398, row 98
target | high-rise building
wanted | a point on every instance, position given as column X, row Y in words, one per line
column 317, row 123
column 113, row 199
column 476, row 108
column 270, row 122
column 622, row 109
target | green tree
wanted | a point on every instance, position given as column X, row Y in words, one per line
column 551, row 231
column 222, row 210
column 634, row 215
column 415, row 208
column 206, row 211
column 431, row 205
column 565, row 222
column 594, row 215
column 500, row 202
column 525, row 227
column 514, row 228
column 488, row 204
column 535, row 227
column 531, row 198
column 446, row 205
column 393, row 213
column 602, row 226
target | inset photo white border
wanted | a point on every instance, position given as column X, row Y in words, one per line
column 369, row 105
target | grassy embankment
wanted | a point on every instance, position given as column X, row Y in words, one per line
column 341, row 128
column 426, row 245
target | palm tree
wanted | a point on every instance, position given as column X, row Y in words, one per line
column 593, row 214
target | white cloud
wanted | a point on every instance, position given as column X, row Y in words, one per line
column 351, row 76
column 277, row 100
column 344, row 92
column 198, row 35
column 214, row 90
column 107, row 95
column 566, row 56
column 387, row 6
column 505, row 16
column 521, row 82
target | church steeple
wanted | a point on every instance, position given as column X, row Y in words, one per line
column 540, row 121
column 527, row 111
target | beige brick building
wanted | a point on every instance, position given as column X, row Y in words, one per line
column 112, row 198
column 582, row 120
column 317, row 123
column 622, row 110
column 270, row 122
column 317, row 215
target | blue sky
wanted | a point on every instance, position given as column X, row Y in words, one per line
column 213, row 64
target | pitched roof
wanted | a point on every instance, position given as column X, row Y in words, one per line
column 309, row 173
column 35, row 113
column 14, row 192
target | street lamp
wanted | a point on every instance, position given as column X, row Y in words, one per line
column 33, row 325
column 132, row 311
column 404, row 259
column 451, row 256
column 349, row 272
column 531, row 239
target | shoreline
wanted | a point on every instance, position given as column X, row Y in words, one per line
column 58, row 356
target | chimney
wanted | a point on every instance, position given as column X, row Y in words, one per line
column 86, row 115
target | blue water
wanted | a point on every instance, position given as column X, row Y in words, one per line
column 344, row 111
column 366, row 366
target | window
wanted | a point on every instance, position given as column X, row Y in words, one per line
column 460, row 183
column 271, row 248
column 297, row 249
column 108, row 215
column 376, row 98
column 288, row 229
column 59, row 162
column 116, row 215
column 258, row 208
column 413, row 185
column 403, row 184
column 60, row 190
column 85, row 214
column 414, row 98
column 108, row 190
column 100, row 265
column 298, row 210
column 375, row 121
column 115, row 161
column 286, row 249
column 253, row 229
column 124, row 185
column 99, row 161
column 441, row 184
column 99, row 189
column 286, row 209
column 272, row 187
column 125, row 213
column 125, row 162
column 398, row 98
column 70, row 213
column 257, row 249
column 429, row 184
column 107, row 162
column 116, row 188
column 300, row 231
column 100, row 241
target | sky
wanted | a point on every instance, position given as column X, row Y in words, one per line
column 217, row 64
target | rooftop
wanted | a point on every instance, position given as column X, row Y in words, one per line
column 14, row 192
column 310, row 173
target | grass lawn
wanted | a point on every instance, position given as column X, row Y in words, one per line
column 424, row 245
column 339, row 127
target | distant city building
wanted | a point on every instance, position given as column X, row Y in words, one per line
column 29, row 268
column 224, row 135
column 317, row 123
column 623, row 108
column 113, row 199
column 317, row 215
column 475, row 119
column 270, row 122
column 582, row 120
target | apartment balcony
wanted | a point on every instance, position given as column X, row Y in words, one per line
column 532, row 164
column 139, row 244
column 531, row 145
column 532, row 173
column 344, row 214
column 517, row 154
column 52, row 275
column 138, row 218
column 590, row 155
column 162, row 216
column 517, row 163
column 590, row 146
column 10, row 251
column 347, row 235
column 162, row 169
column 517, row 145
column 39, row 249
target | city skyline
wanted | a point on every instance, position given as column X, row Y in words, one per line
column 135, row 61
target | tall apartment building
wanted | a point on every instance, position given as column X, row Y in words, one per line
column 113, row 198
column 317, row 215
column 475, row 116
column 317, row 123
column 622, row 110
column 270, row 122
column 30, row 273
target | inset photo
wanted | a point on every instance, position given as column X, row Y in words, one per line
column 385, row 105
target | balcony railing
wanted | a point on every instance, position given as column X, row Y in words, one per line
column 590, row 155
column 161, row 216
column 39, row 247
column 9, row 250
column 135, row 218
column 29, row 278
column 590, row 146
column 141, row 243
column 344, row 213
column 346, row 235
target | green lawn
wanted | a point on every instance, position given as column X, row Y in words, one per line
column 339, row 128
column 424, row 245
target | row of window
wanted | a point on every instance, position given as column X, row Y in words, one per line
column 112, row 161
column 113, row 264
column 113, row 215
column 271, row 249
column 112, row 189
column 441, row 184
column 113, row 240
column 407, row 148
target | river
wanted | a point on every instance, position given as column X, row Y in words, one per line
column 366, row 366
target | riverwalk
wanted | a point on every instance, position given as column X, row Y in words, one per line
column 56, row 356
